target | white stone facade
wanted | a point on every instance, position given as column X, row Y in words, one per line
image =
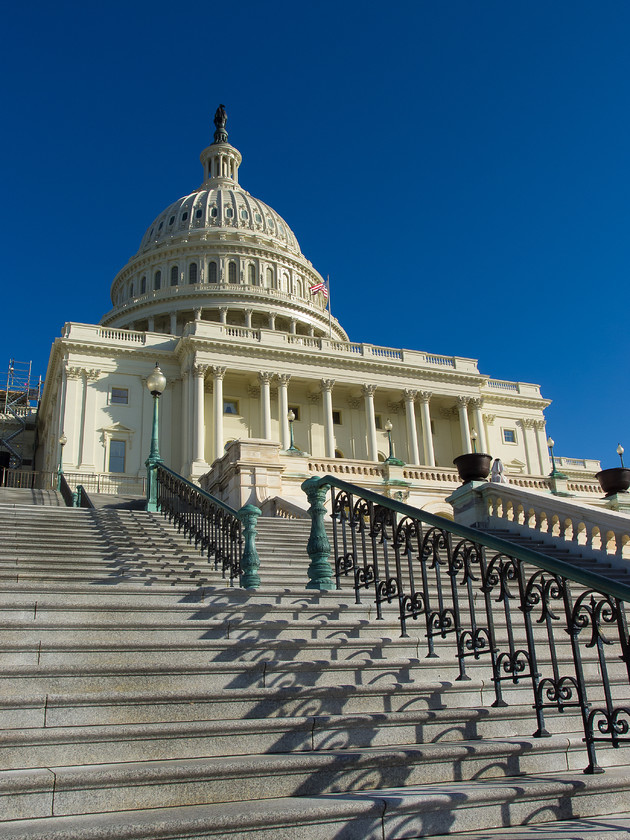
column 219, row 295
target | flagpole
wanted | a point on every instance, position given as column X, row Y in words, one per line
column 329, row 311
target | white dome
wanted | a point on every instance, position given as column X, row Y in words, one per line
column 224, row 253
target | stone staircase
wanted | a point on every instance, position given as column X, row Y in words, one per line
column 142, row 698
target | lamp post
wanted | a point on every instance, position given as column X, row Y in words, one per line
column 390, row 458
column 156, row 383
column 62, row 442
column 473, row 436
column 292, row 447
column 620, row 451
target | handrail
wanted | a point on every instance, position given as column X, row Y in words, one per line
column 82, row 499
column 65, row 490
column 511, row 606
column 225, row 534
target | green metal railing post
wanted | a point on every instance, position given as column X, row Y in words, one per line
column 318, row 546
column 250, row 561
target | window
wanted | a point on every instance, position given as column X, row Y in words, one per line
column 214, row 212
column 198, row 213
column 378, row 421
column 117, row 456
column 160, row 225
column 184, row 216
column 157, row 280
column 212, row 272
column 244, row 214
column 119, row 396
column 192, row 273
column 171, row 220
column 230, row 407
column 270, row 278
column 143, row 286
column 336, row 418
column 509, row 435
column 258, row 218
column 229, row 212
column 296, row 410
column 232, row 272
column 251, row 271
column 174, row 275
column 131, row 289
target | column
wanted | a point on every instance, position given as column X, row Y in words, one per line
column 283, row 409
column 74, row 405
column 173, row 329
column 477, row 404
column 292, row 326
column 427, row 437
column 541, row 446
column 150, row 324
column 524, row 425
column 265, row 404
column 368, row 393
column 329, row 437
column 462, row 409
column 217, row 379
column 248, row 318
column 185, row 421
column 223, row 314
column 199, row 372
column 412, row 433
column 272, row 321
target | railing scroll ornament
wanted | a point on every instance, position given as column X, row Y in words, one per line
column 523, row 616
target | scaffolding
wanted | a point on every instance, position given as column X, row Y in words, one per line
column 19, row 400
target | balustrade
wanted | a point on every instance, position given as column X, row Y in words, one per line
column 524, row 618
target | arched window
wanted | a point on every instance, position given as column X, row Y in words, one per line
column 252, row 274
column 131, row 289
column 157, row 280
column 232, row 272
column 212, row 272
column 270, row 278
column 174, row 275
column 143, row 286
column 192, row 273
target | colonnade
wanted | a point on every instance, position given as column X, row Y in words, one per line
column 419, row 437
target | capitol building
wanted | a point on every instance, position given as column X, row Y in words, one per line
column 264, row 385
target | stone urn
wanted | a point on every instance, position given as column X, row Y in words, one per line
column 615, row 480
column 473, row 466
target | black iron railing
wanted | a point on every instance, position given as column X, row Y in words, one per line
column 225, row 535
column 530, row 618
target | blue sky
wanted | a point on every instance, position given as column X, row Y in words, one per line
column 460, row 169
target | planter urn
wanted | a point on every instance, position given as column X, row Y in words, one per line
column 473, row 466
column 615, row 480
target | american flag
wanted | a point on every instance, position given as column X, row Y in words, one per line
column 319, row 287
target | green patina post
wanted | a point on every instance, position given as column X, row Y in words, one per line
column 318, row 546
column 156, row 383
column 250, row 561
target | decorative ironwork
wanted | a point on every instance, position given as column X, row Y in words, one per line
column 226, row 536
column 524, row 616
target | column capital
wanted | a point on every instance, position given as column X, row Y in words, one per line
column 425, row 396
column 462, row 402
column 218, row 372
column 327, row 384
column 283, row 378
column 92, row 374
column 354, row 402
column 490, row 418
column 409, row 395
column 200, row 370
column 539, row 424
column 476, row 402
column 368, row 390
column 264, row 377
column 526, row 423
column 74, row 372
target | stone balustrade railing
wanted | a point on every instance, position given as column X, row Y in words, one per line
column 593, row 530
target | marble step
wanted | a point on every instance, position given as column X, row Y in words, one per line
column 120, row 786
column 549, row 807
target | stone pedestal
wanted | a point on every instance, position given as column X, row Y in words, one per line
column 248, row 473
column 468, row 504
